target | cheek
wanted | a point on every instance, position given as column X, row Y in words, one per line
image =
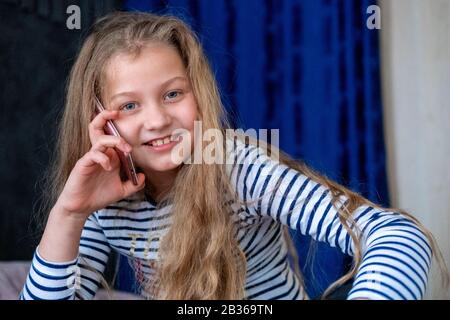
column 187, row 115
column 128, row 131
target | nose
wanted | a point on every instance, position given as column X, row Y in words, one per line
column 156, row 117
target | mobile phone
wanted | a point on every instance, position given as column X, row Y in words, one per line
column 125, row 160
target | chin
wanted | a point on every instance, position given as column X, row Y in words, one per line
column 160, row 165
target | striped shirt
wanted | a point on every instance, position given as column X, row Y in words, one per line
column 396, row 254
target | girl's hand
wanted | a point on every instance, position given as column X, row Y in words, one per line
column 94, row 181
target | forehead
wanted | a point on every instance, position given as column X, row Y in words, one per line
column 153, row 62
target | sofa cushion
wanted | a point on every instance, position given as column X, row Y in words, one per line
column 14, row 273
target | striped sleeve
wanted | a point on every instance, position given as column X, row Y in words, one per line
column 396, row 253
column 77, row 279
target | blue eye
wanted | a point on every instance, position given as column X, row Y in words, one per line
column 172, row 95
column 126, row 106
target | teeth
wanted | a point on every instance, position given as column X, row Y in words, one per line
column 160, row 142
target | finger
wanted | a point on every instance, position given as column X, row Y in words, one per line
column 106, row 141
column 96, row 126
column 95, row 157
column 130, row 188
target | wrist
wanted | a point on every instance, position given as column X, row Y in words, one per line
column 62, row 234
column 62, row 213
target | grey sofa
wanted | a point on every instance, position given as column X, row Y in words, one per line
column 13, row 275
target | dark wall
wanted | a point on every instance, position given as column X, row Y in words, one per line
column 37, row 51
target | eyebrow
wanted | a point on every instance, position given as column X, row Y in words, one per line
column 166, row 83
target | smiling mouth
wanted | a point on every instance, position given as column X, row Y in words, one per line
column 163, row 141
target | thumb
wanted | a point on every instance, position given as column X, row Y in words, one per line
column 130, row 188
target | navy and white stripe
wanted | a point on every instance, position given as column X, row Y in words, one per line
column 396, row 254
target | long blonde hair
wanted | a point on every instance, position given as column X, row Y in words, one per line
column 200, row 257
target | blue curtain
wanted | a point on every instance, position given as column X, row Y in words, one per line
column 309, row 68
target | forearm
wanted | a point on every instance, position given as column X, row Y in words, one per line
column 58, row 268
column 396, row 262
column 61, row 238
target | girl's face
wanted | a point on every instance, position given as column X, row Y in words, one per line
column 154, row 98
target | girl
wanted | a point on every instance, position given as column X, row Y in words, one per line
column 195, row 231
